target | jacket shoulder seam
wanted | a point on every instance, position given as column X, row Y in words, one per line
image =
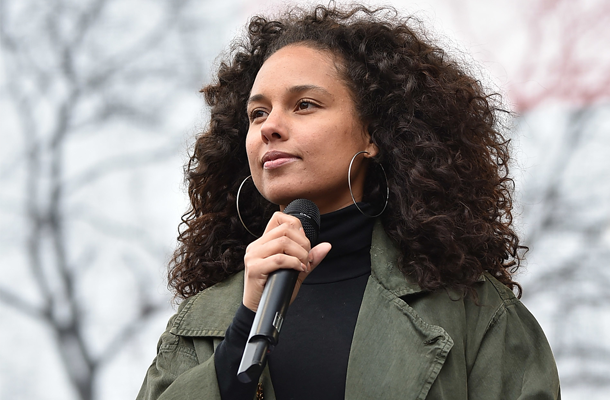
column 507, row 297
column 501, row 310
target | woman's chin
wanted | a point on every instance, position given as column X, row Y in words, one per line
column 283, row 201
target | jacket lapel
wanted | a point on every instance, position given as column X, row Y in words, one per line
column 394, row 353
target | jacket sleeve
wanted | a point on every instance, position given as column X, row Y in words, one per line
column 514, row 360
column 179, row 371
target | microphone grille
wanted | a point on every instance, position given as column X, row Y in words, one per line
column 309, row 215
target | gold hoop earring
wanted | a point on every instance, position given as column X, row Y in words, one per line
column 349, row 183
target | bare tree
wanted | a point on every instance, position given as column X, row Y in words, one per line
column 90, row 92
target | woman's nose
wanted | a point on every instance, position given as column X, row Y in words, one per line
column 274, row 127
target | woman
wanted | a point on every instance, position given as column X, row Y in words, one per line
column 356, row 111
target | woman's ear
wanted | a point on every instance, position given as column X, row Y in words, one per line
column 371, row 147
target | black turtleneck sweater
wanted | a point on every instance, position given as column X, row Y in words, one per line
column 310, row 360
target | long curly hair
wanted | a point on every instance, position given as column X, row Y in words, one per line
column 438, row 132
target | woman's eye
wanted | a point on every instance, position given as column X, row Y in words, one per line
column 254, row 114
column 305, row 105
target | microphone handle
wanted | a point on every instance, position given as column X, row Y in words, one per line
column 264, row 334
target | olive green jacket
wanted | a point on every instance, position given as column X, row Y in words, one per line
column 408, row 344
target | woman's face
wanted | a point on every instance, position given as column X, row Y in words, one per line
column 304, row 131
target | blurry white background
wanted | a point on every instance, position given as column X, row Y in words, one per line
column 98, row 106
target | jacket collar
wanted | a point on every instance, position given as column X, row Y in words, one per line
column 384, row 269
column 211, row 311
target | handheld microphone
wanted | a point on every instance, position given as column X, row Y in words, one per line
column 275, row 299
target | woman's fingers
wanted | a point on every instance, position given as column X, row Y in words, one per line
column 316, row 255
column 268, row 255
column 282, row 224
column 282, row 246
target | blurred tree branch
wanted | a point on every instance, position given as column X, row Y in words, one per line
column 74, row 70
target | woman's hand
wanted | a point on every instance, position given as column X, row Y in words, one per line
column 283, row 245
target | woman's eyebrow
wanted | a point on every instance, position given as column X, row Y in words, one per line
column 305, row 88
column 254, row 98
column 294, row 89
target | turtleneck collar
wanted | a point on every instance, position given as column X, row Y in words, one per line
column 349, row 232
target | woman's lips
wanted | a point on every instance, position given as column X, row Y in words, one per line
column 275, row 159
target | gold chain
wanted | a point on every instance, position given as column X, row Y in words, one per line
column 259, row 392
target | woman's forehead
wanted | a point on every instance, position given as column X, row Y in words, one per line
column 295, row 67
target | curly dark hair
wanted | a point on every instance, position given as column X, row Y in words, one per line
column 439, row 138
